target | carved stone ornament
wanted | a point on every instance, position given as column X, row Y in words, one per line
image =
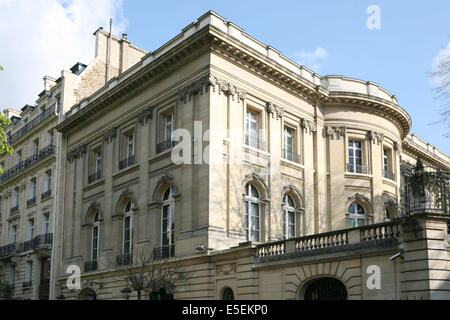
column 274, row 110
column 144, row 115
column 198, row 86
column 374, row 136
column 308, row 126
column 335, row 132
column 227, row 88
column 109, row 134
column 226, row 269
column 77, row 152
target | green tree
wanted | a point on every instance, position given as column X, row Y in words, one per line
column 5, row 148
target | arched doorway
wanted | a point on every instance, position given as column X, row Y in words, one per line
column 325, row 289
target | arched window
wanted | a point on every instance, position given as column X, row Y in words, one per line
column 227, row 294
column 289, row 219
column 168, row 224
column 128, row 228
column 95, row 237
column 356, row 215
column 252, row 218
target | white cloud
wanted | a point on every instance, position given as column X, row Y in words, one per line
column 43, row 37
column 310, row 59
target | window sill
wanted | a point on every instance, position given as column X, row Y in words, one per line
column 355, row 175
column 126, row 170
column 292, row 163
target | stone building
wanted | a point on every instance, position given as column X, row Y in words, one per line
column 265, row 179
column 290, row 183
column 27, row 187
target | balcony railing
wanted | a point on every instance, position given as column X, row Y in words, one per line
column 389, row 175
column 255, row 142
column 165, row 145
column 358, row 168
column 164, row 252
column 124, row 259
column 127, row 162
column 25, row 164
column 36, row 243
column 47, row 194
column 14, row 209
column 90, row 266
column 95, row 176
column 26, row 284
column 386, row 235
column 31, row 201
column 291, row 156
column 32, row 124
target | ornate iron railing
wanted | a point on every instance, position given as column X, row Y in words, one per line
column 389, row 175
column 90, row 266
column 31, row 201
column 127, row 162
column 32, row 124
column 255, row 142
column 19, row 247
column 291, row 156
column 165, row 145
column 358, row 168
column 25, row 164
column 47, row 194
column 14, row 209
column 95, row 176
column 124, row 259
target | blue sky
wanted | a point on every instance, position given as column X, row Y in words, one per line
column 330, row 37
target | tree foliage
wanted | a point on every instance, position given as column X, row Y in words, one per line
column 147, row 270
column 442, row 76
column 5, row 148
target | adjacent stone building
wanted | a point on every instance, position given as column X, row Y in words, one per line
column 27, row 187
column 284, row 184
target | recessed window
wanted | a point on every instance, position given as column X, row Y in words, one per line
column 30, row 230
column 128, row 157
column 252, row 127
column 252, row 217
column 128, row 229
column 289, row 148
column 387, row 164
column 168, row 224
column 356, row 215
column 289, row 218
column 355, row 157
column 13, row 234
column 45, row 224
column 95, row 237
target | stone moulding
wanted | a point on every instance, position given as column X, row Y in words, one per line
column 335, row 132
column 110, row 134
column 308, row 126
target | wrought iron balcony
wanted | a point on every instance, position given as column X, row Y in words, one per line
column 32, row 124
column 39, row 241
column 389, row 175
column 255, row 142
column 358, row 168
column 31, row 201
column 165, row 145
column 46, row 195
column 95, row 176
column 11, row 248
column 14, row 209
column 124, row 259
column 26, row 284
column 291, row 156
column 25, row 164
column 164, row 252
column 90, row 266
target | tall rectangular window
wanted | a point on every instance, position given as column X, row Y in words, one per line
column 128, row 235
column 50, row 138
column 18, row 157
column 45, row 224
column 47, row 181
column 29, row 272
column 15, row 199
column 130, row 145
column 13, row 234
column 98, row 161
column 251, row 124
column 12, row 276
column 30, row 230
column 35, row 147
column 289, row 151
column 32, row 190
column 355, row 156
column 168, row 127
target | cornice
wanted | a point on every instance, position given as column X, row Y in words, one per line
column 412, row 150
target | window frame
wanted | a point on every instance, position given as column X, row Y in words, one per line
column 170, row 233
column 248, row 201
column 128, row 215
column 287, row 210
